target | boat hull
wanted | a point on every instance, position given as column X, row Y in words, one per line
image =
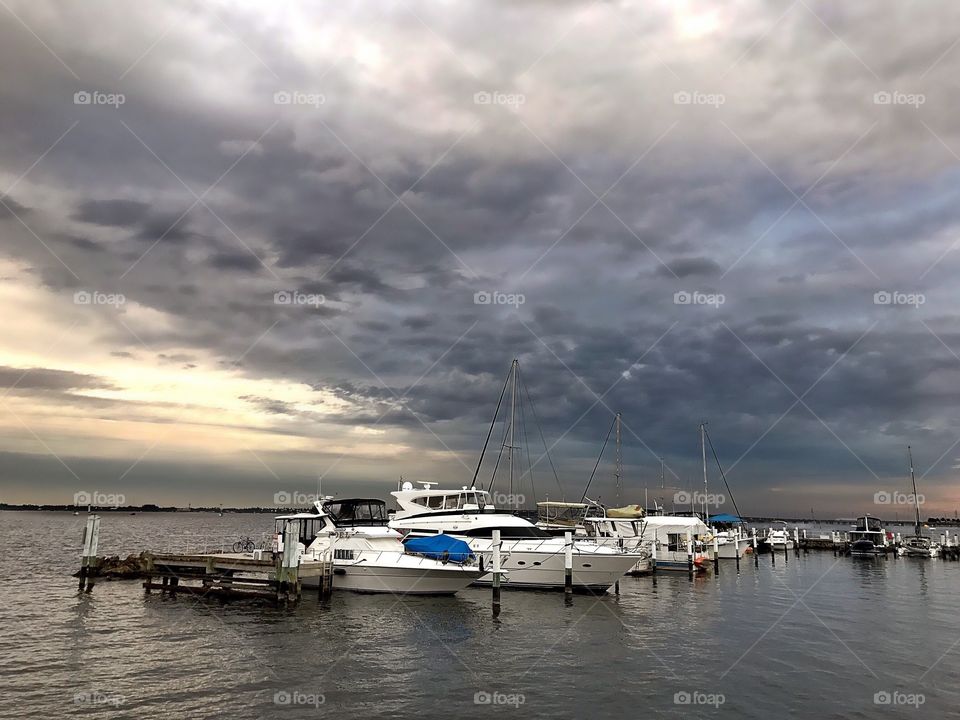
column 595, row 571
column 364, row 578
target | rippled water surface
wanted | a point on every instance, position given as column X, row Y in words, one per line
column 813, row 637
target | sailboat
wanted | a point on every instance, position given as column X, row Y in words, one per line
column 918, row 544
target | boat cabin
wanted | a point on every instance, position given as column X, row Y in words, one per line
column 357, row 512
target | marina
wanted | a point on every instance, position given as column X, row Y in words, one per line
column 372, row 656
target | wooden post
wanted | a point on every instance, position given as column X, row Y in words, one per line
column 653, row 558
column 716, row 555
column 88, row 557
column 806, row 544
column 496, row 573
column 288, row 578
column 736, row 548
column 690, row 553
column 568, row 565
column 796, row 541
column 756, row 552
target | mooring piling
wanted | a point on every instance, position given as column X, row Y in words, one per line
column 653, row 558
column 716, row 556
column 496, row 573
column 88, row 557
column 568, row 566
column 689, row 553
column 756, row 554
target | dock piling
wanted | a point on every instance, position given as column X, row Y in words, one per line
column 568, row 565
column 689, row 554
column 88, row 558
column 653, row 558
column 496, row 573
column 716, row 556
column 756, row 554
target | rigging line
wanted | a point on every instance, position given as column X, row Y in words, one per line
column 490, row 431
column 599, row 458
column 546, row 451
column 503, row 444
column 526, row 440
column 724, row 476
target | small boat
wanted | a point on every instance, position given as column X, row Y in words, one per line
column 868, row 537
column 776, row 539
column 369, row 557
column 918, row 544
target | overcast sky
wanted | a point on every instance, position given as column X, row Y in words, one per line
column 742, row 213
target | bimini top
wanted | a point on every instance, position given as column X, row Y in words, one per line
column 440, row 547
column 353, row 512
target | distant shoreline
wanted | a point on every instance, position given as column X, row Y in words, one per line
column 150, row 508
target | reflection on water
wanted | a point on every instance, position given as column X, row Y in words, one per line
column 813, row 637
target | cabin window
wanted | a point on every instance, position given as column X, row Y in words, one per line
column 342, row 554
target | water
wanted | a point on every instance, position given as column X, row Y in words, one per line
column 813, row 637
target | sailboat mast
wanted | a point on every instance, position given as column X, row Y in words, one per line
column 916, row 499
column 703, row 452
column 619, row 462
column 513, row 417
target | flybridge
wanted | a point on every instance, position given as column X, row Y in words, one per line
column 412, row 501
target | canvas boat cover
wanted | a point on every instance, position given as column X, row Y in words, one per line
column 440, row 547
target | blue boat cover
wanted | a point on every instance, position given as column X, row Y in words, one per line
column 440, row 547
column 725, row 518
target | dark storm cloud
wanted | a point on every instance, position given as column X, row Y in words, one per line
column 114, row 213
column 685, row 267
column 399, row 200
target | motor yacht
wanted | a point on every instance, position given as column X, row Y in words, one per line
column 369, row 557
column 532, row 557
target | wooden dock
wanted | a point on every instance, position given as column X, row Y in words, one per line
column 234, row 575
column 262, row 574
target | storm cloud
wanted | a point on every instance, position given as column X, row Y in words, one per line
column 318, row 237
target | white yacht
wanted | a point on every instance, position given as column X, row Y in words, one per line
column 369, row 557
column 531, row 556
column 776, row 540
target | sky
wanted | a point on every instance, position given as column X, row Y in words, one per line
column 257, row 248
